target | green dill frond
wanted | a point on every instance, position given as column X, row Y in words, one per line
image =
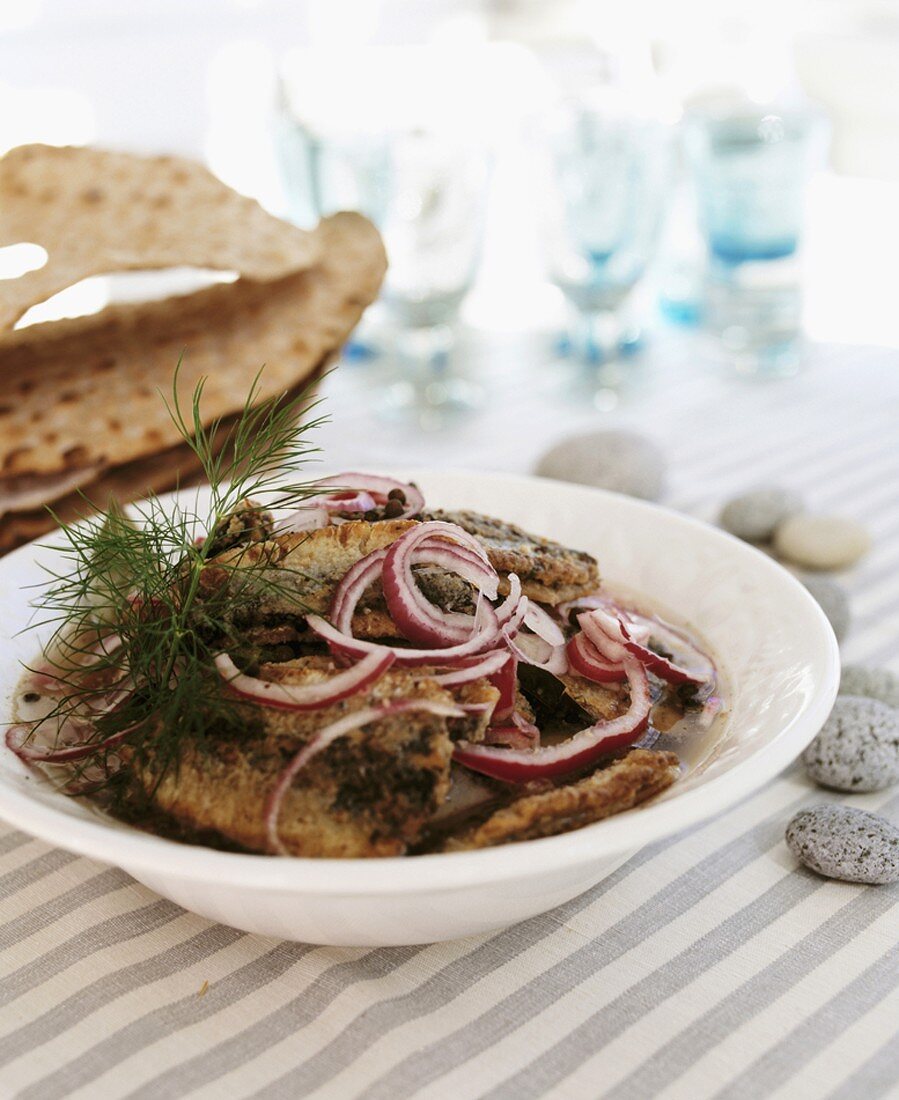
column 127, row 609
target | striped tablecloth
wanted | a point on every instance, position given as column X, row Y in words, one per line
column 706, row 966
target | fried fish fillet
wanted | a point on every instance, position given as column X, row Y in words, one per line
column 370, row 793
column 600, row 701
column 310, row 565
column 299, row 572
column 628, row 782
column 549, row 572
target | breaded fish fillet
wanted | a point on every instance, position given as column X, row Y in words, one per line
column 549, row 572
column 370, row 793
column 598, row 700
column 626, row 783
column 300, row 571
column 310, row 566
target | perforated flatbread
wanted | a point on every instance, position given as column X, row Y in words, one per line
column 88, row 393
column 175, row 468
column 97, row 211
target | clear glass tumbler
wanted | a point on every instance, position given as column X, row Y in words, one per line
column 605, row 192
column 426, row 193
column 750, row 166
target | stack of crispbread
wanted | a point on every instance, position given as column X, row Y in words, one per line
column 81, row 412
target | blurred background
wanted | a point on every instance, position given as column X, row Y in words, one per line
column 578, row 198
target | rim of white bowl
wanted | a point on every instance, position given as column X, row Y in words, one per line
column 138, row 852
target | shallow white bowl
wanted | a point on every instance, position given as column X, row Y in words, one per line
column 774, row 645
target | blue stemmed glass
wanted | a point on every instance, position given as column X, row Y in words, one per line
column 426, row 193
column 750, row 166
column 604, row 199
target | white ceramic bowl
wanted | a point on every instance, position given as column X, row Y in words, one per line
column 774, row 645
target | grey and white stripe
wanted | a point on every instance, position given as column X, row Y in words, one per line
column 707, row 966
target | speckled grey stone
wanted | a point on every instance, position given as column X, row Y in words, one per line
column 858, row 748
column 755, row 515
column 834, row 602
column 845, row 843
column 622, row 461
column 873, row 683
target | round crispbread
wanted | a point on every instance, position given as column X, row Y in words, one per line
column 88, row 392
column 95, row 211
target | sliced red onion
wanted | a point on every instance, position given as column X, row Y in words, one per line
column 305, row 697
column 475, row 668
column 582, row 603
column 112, row 698
column 415, row 616
column 505, row 680
column 16, row 737
column 310, row 518
column 43, row 680
column 353, row 493
column 350, row 502
column 525, row 725
column 475, row 708
column 520, row 765
column 586, row 661
column 514, row 606
column 444, row 627
column 325, row 736
column 542, row 625
column 107, row 646
column 352, row 586
column 613, row 627
column 532, row 650
column 379, row 488
column 711, row 708
column 346, row 646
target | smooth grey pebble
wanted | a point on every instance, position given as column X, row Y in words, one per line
column 873, row 683
column 858, row 747
column 833, row 600
column 844, row 843
column 755, row 515
column 624, row 462
column 821, row 542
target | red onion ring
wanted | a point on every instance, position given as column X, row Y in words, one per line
column 379, row 488
column 534, row 651
column 543, row 626
column 520, row 765
column 352, row 493
column 308, row 696
column 431, row 552
column 310, row 518
column 586, row 661
column 598, row 621
column 505, row 680
column 415, row 616
column 587, row 603
column 360, row 501
column 15, row 742
column 476, row 668
column 351, row 588
column 711, row 708
column 325, row 736
column 343, row 645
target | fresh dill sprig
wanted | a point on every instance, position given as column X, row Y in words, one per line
column 135, row 625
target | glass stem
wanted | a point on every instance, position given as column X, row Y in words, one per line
column 596, row 336
column 423, row 359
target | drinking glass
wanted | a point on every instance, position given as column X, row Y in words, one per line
column 604, row 199
column 426, row 194
column 750, row 166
